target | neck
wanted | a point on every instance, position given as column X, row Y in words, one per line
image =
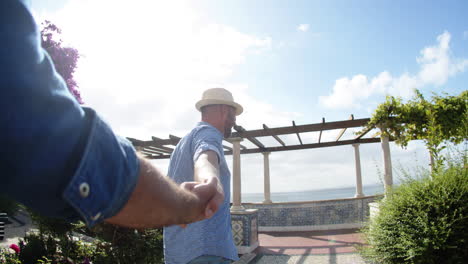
column 217, row 125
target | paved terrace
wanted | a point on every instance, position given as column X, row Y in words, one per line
column 328, row 246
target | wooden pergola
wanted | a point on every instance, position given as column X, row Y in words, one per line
column 159, row 148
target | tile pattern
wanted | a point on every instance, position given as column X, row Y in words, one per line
column 329, row 212
column 244, row 228
column 237, row 232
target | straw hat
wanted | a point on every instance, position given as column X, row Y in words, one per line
column 218, row 96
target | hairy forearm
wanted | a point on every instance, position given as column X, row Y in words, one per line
column 157, row 201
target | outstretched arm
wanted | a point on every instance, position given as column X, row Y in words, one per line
column 158, row 201
column 207, row 171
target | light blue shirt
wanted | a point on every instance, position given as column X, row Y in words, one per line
column 211, row 236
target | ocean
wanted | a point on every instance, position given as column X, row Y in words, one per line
column 313, row 195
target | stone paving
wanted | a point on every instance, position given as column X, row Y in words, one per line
column 317, row 247
column 349, row 258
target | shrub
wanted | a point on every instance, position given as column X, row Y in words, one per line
column 60, row 242
column 8, row 206
column 124, row 245
column 424, row 220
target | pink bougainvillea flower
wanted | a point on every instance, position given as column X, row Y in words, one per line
column 15, row 248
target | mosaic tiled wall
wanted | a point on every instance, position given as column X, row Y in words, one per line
column 244, row 229
column 314, row 213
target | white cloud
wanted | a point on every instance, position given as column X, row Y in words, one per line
column 143, row 69
column 436, row 66
column 303, row 27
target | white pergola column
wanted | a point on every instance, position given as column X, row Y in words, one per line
column 266, row 177
column 358, row 172
column 236, row 176
column 388, row 178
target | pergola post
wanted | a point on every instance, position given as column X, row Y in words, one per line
column 388, row 178
column 266, row 177
column 236, row 175
column 358, row 172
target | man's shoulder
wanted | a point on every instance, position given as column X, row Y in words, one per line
column 204, row 128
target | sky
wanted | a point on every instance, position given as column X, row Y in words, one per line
column 145, row 64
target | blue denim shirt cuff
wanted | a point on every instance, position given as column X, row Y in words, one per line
column 106, row 176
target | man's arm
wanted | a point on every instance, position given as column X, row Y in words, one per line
column 206, row 170
column 75, row 166
column 158, row 201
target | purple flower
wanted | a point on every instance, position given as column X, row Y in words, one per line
column 86, row 261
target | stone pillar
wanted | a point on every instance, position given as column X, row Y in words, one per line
column 388, row 178
column 244, row 225
column 358, row 172
column 236, row 176
column 266, row 177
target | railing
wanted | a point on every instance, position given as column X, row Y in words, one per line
column 3, row 220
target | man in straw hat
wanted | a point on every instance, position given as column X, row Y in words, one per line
column 199, row 156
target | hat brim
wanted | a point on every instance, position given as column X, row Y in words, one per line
column 205, row 102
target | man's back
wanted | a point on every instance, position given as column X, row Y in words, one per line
column 208, row 237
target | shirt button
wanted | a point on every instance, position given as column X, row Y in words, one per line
column 84, row 190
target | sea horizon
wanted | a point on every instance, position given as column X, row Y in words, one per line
column 314, row 195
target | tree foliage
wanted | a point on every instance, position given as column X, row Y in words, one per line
column 437, row 121
column 65, row 58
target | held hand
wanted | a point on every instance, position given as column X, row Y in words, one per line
column 210, row 194
column 216, row 199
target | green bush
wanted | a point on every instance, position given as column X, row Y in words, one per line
column 8, row 206
column 424, row 220
column 124, row 245
column 59, row 242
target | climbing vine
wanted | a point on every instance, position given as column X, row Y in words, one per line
column 437, row 121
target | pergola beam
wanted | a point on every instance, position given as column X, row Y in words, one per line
column 151, row 151
column 174, row 139
column 275, row 136
column 160, row 149
column 254, row 141
column 344, row 129
column 230, row 141
column 313, row 145
column 320, row 135
column 150, row 154
column 302, row 128
column 363, row 133
column 297, row 133
column 157, row 147
column 298, row 147
column 226, row 147
column 157, row 141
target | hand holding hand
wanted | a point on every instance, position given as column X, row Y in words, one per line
column 210, row 194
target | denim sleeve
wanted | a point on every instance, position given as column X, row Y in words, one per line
column 207, row 138
column 57, row 158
